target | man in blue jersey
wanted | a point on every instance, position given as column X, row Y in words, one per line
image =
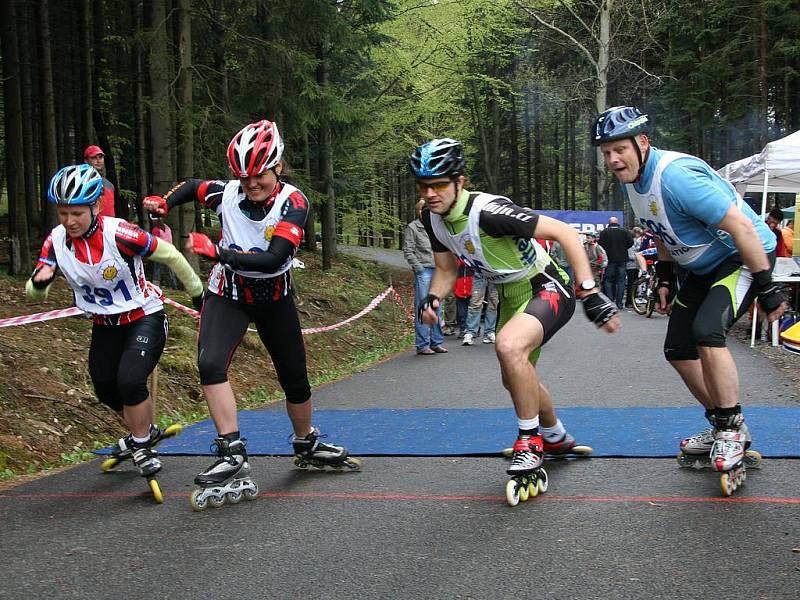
column 702, row 224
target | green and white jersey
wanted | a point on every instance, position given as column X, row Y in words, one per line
column 492, row 235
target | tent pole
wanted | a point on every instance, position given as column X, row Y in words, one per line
column 764, row 195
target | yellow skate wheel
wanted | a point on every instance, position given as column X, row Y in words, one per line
column 582, row 450
column 727, row 483
column 753, row 459
column 533, row 488
column 512, row 494
column 156, row 489
column 173, row 429
column 354, row 464
column 109, row 463
column 543, row 482
column 523, row 492
column 198, row 505
column 507, row 452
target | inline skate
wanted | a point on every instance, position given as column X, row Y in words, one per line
column 146, row 460
column 227, row 479
column 564, row 448
column 528, row 478
column 311, row 453
column 122, row 449
column 695, row 451
column 727, row 453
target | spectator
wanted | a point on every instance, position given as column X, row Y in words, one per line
column 93, row 155
column 481, row 288
column 615, row 241
column 557, row 252
column 418, row 254
column 462, row 293
column 596, row 255
column 783, row 235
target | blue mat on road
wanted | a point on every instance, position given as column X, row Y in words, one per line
column 621, row 432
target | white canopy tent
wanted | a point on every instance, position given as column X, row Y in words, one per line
column 775, row 169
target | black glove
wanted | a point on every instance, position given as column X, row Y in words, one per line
column 197, row 302
column 665, row 274
column 770, row 295
column 427, row 302
column 598, row 308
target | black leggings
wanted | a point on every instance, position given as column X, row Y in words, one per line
column 223, row 324
column 121, row 357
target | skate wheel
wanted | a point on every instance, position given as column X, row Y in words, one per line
column 109, row 463
column 198, row 504
column 753, row 459
column 582, row 450
column 543, row 482
column 727, row 483
column 507, row 452
column 251, row 493
column 512, row 493
column 533, row 487
column 300, row 463
column 234, row 497
column 173, row 430
column 524, row 490
column 216, row 501
column 354, row 464
column 156, row 489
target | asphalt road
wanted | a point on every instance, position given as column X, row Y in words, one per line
column 432, row 527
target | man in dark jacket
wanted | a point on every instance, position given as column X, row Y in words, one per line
column 615, row 241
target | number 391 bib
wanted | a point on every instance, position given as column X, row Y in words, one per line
column 107, row 287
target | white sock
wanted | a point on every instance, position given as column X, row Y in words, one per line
column 554, row 433
column 140, row 441
column 527, row 424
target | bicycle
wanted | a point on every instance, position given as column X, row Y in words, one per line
column 644, row 294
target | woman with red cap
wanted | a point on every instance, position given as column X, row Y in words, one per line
column 94, row 156
column 262, row 218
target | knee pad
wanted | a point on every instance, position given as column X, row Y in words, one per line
column 106, row 392
column 297, row 393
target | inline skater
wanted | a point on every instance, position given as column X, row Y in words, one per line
column 702, row 224
column 262, row 218
column 101, row 259
column 496, row 238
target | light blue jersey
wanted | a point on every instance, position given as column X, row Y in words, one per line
column 682, row 200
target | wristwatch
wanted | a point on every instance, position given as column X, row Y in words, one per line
column 587, row 285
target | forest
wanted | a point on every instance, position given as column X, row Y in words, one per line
column 355, row 85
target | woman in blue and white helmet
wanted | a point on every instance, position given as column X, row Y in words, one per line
column 101, row 259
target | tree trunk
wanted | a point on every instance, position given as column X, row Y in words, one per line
column 763, row 84
column 528, row 155
column 310, row 227
column 326, row 172
column 49, row 142
column 27, row 58
column 87, row 134
column 139, row 133
column 538, row 167
column 160, row 121
column 516, row 195
column 601, row 94
column 185, row 133
column 20, row 255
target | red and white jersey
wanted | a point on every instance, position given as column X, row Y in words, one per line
column 242, row 234
column 106, row 286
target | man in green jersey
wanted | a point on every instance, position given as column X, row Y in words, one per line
column 496, row 238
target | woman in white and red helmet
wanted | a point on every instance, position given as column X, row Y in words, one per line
column 262, row 219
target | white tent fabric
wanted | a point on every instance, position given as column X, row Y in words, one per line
column 775, row 169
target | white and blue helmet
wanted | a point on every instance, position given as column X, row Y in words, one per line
column 438, row 158
column 75, row 185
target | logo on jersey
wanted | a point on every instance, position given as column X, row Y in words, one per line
column 653, row 206
column 550, row 295
column 469, row 246
column 110, row 271
column 269, row 232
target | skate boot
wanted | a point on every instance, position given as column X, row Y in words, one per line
column 528, row 478
column 310, row 452
column 566, row 447
column 227, row 479
column 146, row 460
column 727, row 453
column 695, row 451
column 122, row 449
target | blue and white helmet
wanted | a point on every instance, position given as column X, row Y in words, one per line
column 438, row 158
column 75, row 185
column 617, row 123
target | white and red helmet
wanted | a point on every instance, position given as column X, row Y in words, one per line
column 255, row 149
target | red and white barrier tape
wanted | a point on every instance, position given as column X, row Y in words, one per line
column 70, row 312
